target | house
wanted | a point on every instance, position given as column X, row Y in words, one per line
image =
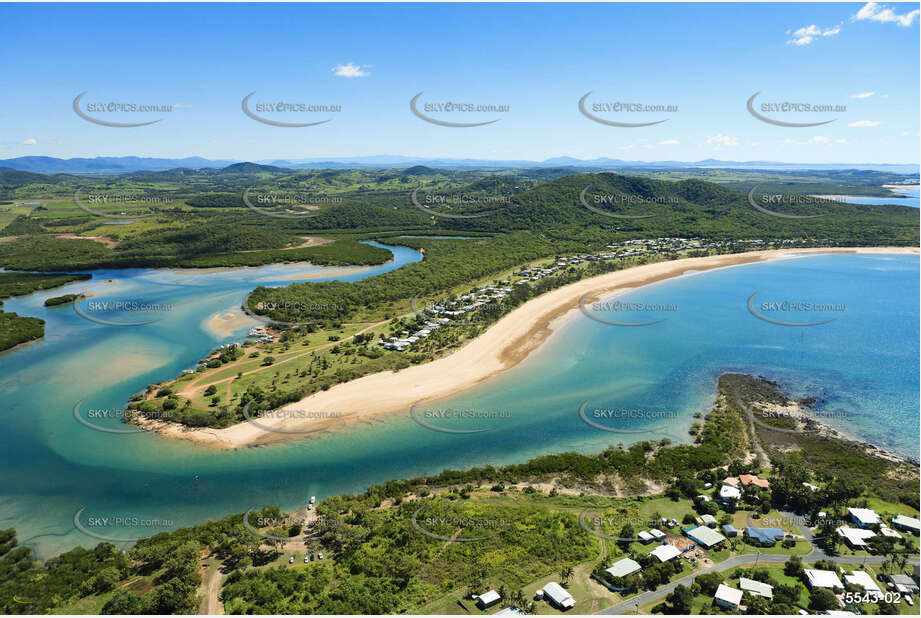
column 511, row 610
column 855, row 537
column 731, row 480
column 706, row 536
column 709, row 520
column 766, row 536
column 729, row 492
column 623, row 568
column 657, row 534
column 817, row 578
column 730, row 531
column 704, row 498
column 645, row 537
column 487, row 599
column 755, row 587
column 908, row 524
column 727, row 597
column 904, row 584
column 752, row 479
column 886, row 531
column 558, row 596
column 862, row 579
column 665, row 552
column 863, row 517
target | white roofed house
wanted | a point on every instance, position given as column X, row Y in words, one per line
column 908, row 524
column 727, row 597
column 706, row 536
column 665, row 552
column 728, row 492
column 862, row 579
column 645, row 537
column 623, row 568
column 753, row 586
column 558, row 596
column 855, row 537
column 709, row 520
column 817, row 578
column 863, row 517
column 487, row 599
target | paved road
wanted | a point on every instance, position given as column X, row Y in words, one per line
column 732, row 563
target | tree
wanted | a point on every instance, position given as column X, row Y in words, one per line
column 565, row 574
column 822, row 599
column 680, row 599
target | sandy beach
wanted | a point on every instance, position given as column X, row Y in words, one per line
column 504, row 345
column 226, row 324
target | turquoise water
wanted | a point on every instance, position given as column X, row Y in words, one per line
column 865, row 363
column 912, row 198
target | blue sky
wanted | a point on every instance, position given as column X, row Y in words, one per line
column 538, row 59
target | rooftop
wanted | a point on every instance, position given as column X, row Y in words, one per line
column 623, row 568
column 823, row 579
column 729, row 595
column 756, row 587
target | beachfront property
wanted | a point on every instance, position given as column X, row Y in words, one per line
column 558, row 596
column 862, row 579
column 727, row 597
column 856, row 538
column 706, row 536
column 753, row 586
column 665, row 552
column 863, row 517
column 488, row 599
column 817, row 578
column 765, row 536
column 623, row 568
column 908, row 524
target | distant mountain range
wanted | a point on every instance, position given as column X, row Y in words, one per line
column 110, row 165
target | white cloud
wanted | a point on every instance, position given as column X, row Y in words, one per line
column 668, row 142
column 789, row 141
column 719, row 140
column 806, row 35
column 874, row 11
column 864, row 123
column 819, row 139
column 863, row 95
column 30, row 142
column 841, row 140
column 630, row 147
column 351, row 70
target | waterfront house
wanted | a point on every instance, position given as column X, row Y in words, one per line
column 558, row 596
column 727, row 597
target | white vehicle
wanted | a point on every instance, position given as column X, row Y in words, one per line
column 291, row 560
column 319, row 555
column 313, row 499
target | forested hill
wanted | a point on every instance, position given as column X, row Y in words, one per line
column 692, row 208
